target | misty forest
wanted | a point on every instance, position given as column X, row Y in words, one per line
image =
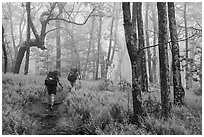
column 139, row 68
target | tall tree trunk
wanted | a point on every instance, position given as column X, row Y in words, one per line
column 154, row 60
column 12, row 35
column 115, row 39
column 134, row 24
column 177, row 86
column 186, row 37
column 200, row 73
column 141, row 45
column 109, row 48
column 117, row 6
column 94, row 60
column 37, row 42
column 4, row 51
column 163, row 59
column 75, row 53
column 99, row 46
column 147, row 42
column 22, row 50
column 102, row 63
column 47, row 55
column 134, row 58
column 90, row 45
column 58, row 46
column 191, row 52
column 28, row 38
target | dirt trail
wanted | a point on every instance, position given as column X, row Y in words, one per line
column 46, row 118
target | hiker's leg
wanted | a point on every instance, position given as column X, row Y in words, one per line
column 72, row 84
column 49, row 94
column 52, row 98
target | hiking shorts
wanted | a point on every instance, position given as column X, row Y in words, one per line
column 52, row 89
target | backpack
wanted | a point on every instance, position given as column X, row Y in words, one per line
column 51, row 79
column 72, row 76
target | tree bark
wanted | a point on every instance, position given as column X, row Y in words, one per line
column 4, row 51
column 163, row 59
column 117, row 7
column 109, row 48
column 102, row 62
column 144, row 81
column 147, row 42
column 28, row 38
column 178, row 89
column 12, row 35
column 154, row 60
column 115, row 38
column 186, row 38
column 134, row 24
column 99, row 46
column 134, row 58
column 94, row 60
column 58, row 46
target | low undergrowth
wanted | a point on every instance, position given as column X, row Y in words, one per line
column 100, row 109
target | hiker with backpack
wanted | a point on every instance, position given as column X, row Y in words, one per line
column 72, row 76
column 51, row 84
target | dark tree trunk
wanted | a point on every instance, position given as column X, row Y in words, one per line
column 19, row 58
column 147, row 41
column 28, row 38
column 4, row 51
column 102, row 63
column 163, row 59
column 22, row 50
column 134, row 58
column 144, row 81
column 99, row 46
column 58, row 46
column 178, row 89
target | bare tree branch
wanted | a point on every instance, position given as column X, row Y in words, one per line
column 60, row 6
column 199, row 24
column 167, row 43
column 52, row 7
column 191, row 28
column 53, row 30
column 37, row 36
column 73, row 21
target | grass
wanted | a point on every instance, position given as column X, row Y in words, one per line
column 97, row 108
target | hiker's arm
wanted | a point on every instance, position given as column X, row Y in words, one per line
column 59, row 82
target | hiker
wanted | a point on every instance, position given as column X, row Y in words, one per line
column 72, row 76
column 51, row 83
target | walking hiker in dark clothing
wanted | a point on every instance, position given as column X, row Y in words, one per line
column 51, row 83
column 72, row 76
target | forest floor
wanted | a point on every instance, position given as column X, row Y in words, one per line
column 47, row 118
column 95, row 107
